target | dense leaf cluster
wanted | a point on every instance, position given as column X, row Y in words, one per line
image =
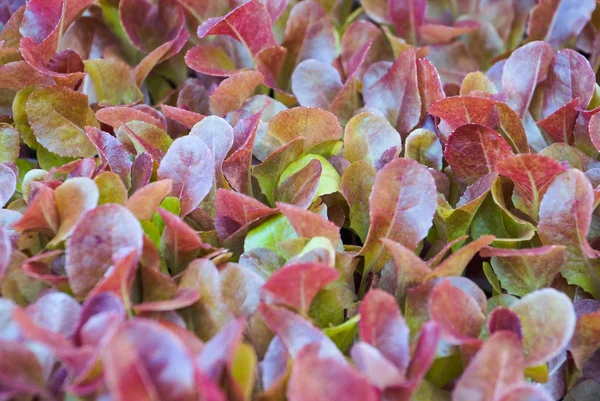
column 210, row 200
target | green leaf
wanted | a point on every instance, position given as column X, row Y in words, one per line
column 343, row 335
column 270, row 233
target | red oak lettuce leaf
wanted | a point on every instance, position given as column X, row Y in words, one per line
column 8, row 183
column 315, row 377
column 296, row 332
column 66, row 67
column 119, row 278
column 189, row 163
column 570, row 76
column 548, row 322
column 112, row 153
column 430, row 84
column 185, row 117
column 314, row 125
column 146, row 361
column 408, row 16
column 565, row 217
column 148, row 25
column 296, row 285
column 118, row 115
column 101, row 238
column 309, row 224
column 394, row 91
column 474, row 150
column 211, row 60
column 380, row 372
column 371, row 138
column 584, row 343
column 218, row 135
column 41, row 213
column 558, row 22
column 532, row 174
column 57, row 116
column 560, row 125
column 356, row 185
column 141, row 171
column 73, row 198
column 525, row 68
column 496, row 368
column 526, row 392
column 355, row 37
column 237, row 167
column 233, row 91
column 502, row 318
column 402, row 205
column 300, row 188
column 218, row 353
column 522, row 271
column 162, row 53
column 178, row 236
column 20, row 371
column 382, row 326
column 144, row 202
column 458, row 313
column 316, row 84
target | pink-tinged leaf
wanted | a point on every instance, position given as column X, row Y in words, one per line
column 594, row 130
column 184, row 117
column 20, row 371
column 382, row 326
column 19, row 74
column 525, row 68
column 40, row 19
column 526, row 392
column 300, row 189
column 149, row 25
column 315, row 125
column 41, row 266
column 425, row 352
column 474, row 150
column 522, row 271
column 316, row 84
column 210, row 60
column 406, row 271
column 570, row 77
column 183, row 298
column 269, row 62
column 585, row 339
column 235, row 212
column 309, row 34
column 558, row 22
column 502, row 318
column 189, row 163
column 236, row 167
column 548, row 322
column 274, row 366
column 296, row 332
column 316, row 378
column 402, row 205
column 57, row 116
column 218, row 353
column 380, row 372
column 145, row 361
column 560, row 124
column 395, row 92
column 119, row 277
column 233, row 91
column 141, row 171
column 162, row 53
column 41, row 213
column 66, row 67
column 532, row 174
column 456, row 263
column 99, row 240
column 73, row 198
column 407, row 17
column 5, row 251
column 296, row 285
column 371, row 138
column 144, row 202
column 436, row 34
column 355, row 37
column 495, row 369
column 309, row 224
column 430, row 84
column 458, row 314
column 356, row 185
column 8, row 184
column 119, row 115
column 111, row 152
column 457, row 111
column 250, row 24
column 218, row 135
column 565, row 217
column 178, row 235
